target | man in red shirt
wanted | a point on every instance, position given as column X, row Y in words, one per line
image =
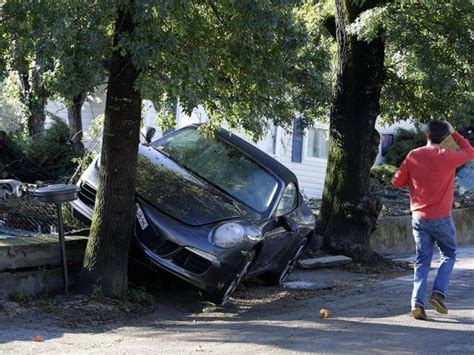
column 429, row 174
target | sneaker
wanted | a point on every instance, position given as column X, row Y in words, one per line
column 436, row 301
column 418, row 312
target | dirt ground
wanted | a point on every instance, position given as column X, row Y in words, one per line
column 369, row 315
column 174, row 300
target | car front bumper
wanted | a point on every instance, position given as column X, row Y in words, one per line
column 183, row 251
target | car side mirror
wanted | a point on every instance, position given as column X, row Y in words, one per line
column 288, row 224
column 147, row 134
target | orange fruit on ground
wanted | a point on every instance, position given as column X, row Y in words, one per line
column 324, row 313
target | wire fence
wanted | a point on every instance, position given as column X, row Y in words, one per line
column 27, row 214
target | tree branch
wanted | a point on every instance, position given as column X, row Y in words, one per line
column 216, row 13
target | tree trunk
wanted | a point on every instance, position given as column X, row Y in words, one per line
column 349, row 212
column 36, row 120
column 74, row 116
column 33, row 102
column 36, row 101
column 106, row 257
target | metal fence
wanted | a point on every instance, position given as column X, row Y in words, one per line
column 26, row 213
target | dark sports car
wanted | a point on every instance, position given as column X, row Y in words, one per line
column 213, row 210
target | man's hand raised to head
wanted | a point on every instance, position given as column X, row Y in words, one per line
column 451, row 128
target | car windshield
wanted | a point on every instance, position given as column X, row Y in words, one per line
column 223, row 165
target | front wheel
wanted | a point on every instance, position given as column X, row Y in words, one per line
column 222, row 297
column 278, row 278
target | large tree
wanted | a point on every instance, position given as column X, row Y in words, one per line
column 105, row 263
column 349, row 212
column 395, row 61
column 234, row 57
column 21, row 32
column 80, row 48
column 55, row 50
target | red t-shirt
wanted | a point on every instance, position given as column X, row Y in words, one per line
column 429, row 174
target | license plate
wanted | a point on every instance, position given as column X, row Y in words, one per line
column 141, row 218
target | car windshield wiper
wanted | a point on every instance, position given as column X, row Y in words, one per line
column 162, row 151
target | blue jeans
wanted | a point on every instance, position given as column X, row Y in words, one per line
column 426, row 232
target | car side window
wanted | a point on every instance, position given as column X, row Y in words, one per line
column 289, row 200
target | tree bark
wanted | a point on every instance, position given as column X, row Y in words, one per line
column 349, row 212
column 33, row 96
column 106, row 258
column 36, row 121
column 74, row 115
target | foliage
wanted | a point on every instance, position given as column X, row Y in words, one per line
column 140, row 296
column 10, row 113
column 21, row 32
column 428, row 58
column 20, row 297
column 82, row 163
column 405, row 140
column 62, row 44
column 212, row 53
column 198, row 53
column 51, row 151
column 70, row 222
column 383, row 172
column 97, row 294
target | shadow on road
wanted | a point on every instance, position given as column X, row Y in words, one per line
column 370, row 317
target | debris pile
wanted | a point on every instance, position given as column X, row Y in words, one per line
column 465, row 180
column 396, row 202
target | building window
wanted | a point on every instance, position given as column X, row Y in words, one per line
column 318, row 143
column 386, row 142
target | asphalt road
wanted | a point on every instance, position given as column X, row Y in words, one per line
column 366, row 319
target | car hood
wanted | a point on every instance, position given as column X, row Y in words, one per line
column 181, row 194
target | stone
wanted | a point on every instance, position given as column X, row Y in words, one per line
column 306, row 285
column 11, row 308
column 465, row 179
column 326, row 261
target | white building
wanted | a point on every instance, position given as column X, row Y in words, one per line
column 305, row 154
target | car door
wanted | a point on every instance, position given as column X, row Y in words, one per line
column 279, row 231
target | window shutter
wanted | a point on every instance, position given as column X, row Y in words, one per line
column 297, row 143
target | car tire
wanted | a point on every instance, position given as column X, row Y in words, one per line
column 278, row 278
column 222, row 297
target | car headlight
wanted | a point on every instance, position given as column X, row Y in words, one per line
column 228, row 235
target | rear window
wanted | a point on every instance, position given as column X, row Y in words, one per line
column 223, row 165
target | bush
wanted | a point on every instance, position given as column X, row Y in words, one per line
column 405, row 141
column 51, row 151
column 384, row 172
column 140, row 296
column 19, row 297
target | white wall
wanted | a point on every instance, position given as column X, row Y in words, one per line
column 310, row 172
column 93, row 106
